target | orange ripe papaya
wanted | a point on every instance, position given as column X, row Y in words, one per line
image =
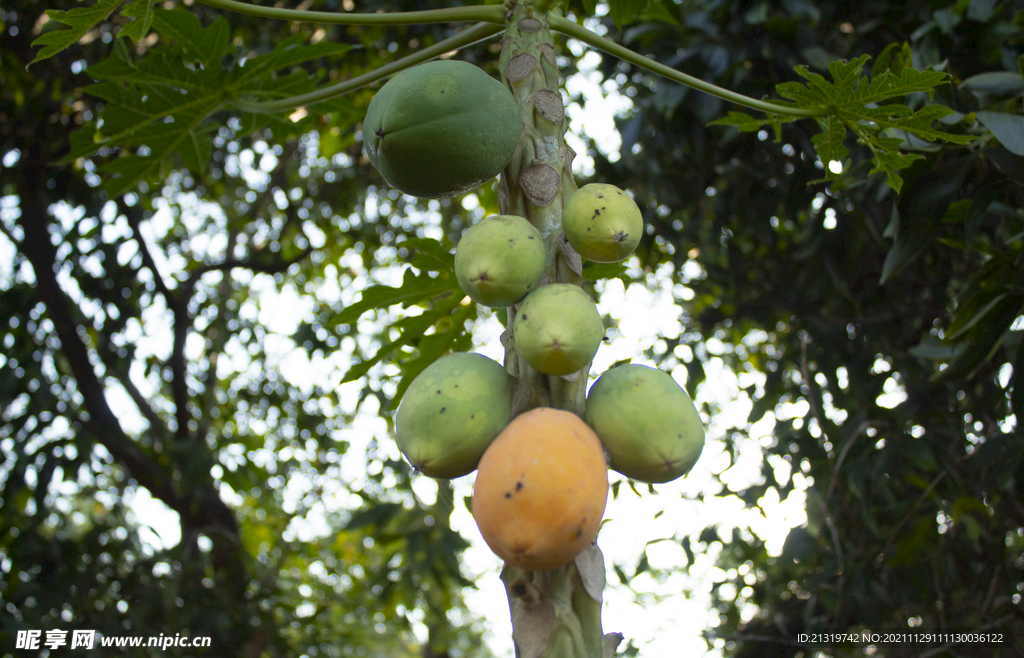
column 541, row 489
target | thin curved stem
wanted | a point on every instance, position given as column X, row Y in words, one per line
column 569, row 28
column 479, row 13
column 467, row 37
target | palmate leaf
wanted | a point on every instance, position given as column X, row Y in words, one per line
column 157, row 109
column 852, row 102
column 142, row 13
column 79, row 22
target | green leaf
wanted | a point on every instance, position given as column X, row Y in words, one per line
column 184, row 28
column 829, row 142
column 624, row 12
column 1007, row 128
column 855, row 103
column 429, row 255
column 744, row 122
column 658, row 11
column 918, row 214
column 79, row 21
column 895, row 57
column 996, row 83
column 415, row 289
column 142, row 13
column 157, row 110
column 1017, row 397
column 984, row 336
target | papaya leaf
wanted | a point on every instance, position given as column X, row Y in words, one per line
column 157, row 109
column 142, row 13
column 79, row 21
column 829, row 142
column 856, row 102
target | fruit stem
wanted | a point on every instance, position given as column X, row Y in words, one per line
column 576, row 31
column 467, row 37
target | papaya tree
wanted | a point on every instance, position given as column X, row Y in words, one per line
column 173, row 85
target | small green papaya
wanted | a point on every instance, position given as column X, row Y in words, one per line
column 558, row 329
column 499, row 260
column 441, row 129
column 602, row 223
column 647, row 423
column 451, row 412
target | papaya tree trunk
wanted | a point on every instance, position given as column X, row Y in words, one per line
column 555, row 613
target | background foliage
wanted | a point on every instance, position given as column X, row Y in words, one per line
column 891, row 323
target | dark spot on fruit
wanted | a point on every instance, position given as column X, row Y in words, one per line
column 579, row 532
column 519, row 486
column 621, row 236
column 472, row 416
column 508, row 494
column 442, row 409
column 439, row 391
column 483, row 276
column 524, row 317
column 380, row 133
column 519, row 590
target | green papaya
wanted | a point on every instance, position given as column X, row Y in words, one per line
column 499, row 260
column 441, row 129
column 647, row 423
column 558, row 329
column 602, row 223
column 451, row 412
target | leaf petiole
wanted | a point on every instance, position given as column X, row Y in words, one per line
column 469, row 36
column 569, row 28
column 477, row 13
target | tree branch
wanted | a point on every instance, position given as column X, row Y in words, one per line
column 134, row 216
column 200, row 505
column 101, row 421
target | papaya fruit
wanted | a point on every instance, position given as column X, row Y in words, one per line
column 602, row 223
column 541, row 489
column 558, row 329
column 451, row 412
column 499, row 260
column 441, row 129
column 647, row 423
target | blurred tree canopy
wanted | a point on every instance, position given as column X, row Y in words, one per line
column 166, row 336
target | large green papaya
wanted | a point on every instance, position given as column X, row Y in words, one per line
column 451, row 412
column 441, row 129
column 647, row 423
column 499, row 260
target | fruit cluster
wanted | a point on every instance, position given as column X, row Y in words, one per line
column 542, row 477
